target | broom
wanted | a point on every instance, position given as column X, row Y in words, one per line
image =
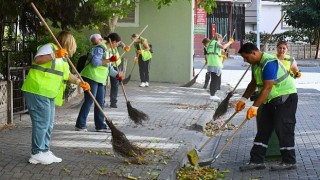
column 127, row 79
column 190, row 83
column 193, row 80
column 193, row 155
column 121, row 145
column 223, row 106
column 209, row 162
column 134, row 114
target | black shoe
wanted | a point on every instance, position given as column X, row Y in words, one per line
column 205, row 86
column 282, row 166
column 112, row 105
column 252, row 166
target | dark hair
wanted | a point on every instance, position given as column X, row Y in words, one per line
column 282, row 43
column 205, row 41
column 134, row 35
column 113, row 37
column 248, row 48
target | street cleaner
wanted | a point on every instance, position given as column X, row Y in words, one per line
column 215, row 63
column 43, row 89
column 289, row 62
column 277, row 100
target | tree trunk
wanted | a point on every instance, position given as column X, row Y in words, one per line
column 112, row 23
column 318, row 42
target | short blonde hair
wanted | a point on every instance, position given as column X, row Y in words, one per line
column 67, row 42
column 216, row 36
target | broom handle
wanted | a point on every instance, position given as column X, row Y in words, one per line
column 224, row 124
column 268, row 38
column 133, row 41
column 70, row 63
column 231, row 139
column 122, row 86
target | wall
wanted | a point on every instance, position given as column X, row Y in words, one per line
column 170, row 31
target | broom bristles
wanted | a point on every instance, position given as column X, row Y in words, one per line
column 190, row 83
column 126, row 80
column 223, row 107
column 136, row 115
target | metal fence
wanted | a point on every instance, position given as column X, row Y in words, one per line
column 299, row 51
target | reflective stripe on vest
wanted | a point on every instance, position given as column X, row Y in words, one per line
column 99, row 73
column 47, row 79
column 283, row 84
column 287, row 62
column 214, row 54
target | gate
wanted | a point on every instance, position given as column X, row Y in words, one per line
column 227, row 17
column 15, row 59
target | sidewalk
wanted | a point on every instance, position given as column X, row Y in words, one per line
column 173, row 111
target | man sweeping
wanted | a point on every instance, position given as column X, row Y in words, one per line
column 278, row 99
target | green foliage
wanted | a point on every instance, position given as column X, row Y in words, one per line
column 292, row 36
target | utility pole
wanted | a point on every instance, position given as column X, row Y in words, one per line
column 258, row 22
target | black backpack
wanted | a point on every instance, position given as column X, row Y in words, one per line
column 82, row 62
column 151, row 49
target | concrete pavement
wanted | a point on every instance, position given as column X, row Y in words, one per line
column 173, row 111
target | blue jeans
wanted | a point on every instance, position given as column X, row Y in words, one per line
column 41, row 110
column 114, row 90
column 98, row 91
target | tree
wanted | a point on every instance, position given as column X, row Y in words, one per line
column 304, row 14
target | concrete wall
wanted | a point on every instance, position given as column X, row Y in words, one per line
column 170, row 31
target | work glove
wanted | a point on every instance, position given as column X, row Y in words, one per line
column 252, row 112
column 298, row 74
column 119, row 77
column 113, row 59
column 231, row 40
column 85, row 86
column 60, row 53
column 126, row 48
column 139, row 51
column 224, row 56
column 135, row 60
column 241, row 104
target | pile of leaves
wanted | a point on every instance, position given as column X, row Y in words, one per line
column 195, row 107
column 213, row 126
column 199, row 173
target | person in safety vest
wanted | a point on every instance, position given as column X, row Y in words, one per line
column 43, row 88
column 144, row 56
column 215, row 63
column 278, row 99
column 96, row 73
column 205, row 43
column 289, row 62
column 114, row 82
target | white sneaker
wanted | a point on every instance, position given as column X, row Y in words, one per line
column 215, row 98
column 54, row 158
column 147, row 84
column 143, row 84
column 42, row 158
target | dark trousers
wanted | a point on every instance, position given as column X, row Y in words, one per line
column 114, row 82
column 281, row 119
column 206, row 80
column 215, row 83
column 144, row 69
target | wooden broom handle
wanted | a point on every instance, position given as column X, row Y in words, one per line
column 70, row 63
column 261, row 49
column 133, row 41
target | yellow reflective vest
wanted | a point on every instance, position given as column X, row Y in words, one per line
column 214, row 54
column 48, row 79
column 283, row 84
column 99, row 73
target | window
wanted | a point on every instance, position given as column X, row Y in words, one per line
column 132, row 20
